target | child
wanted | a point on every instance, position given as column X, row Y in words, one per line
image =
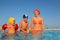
column 11, row 27
column 24, row 24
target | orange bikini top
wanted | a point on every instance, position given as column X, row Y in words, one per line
column 37, row 22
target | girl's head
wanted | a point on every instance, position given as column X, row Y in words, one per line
column 11, row 20
column 25, row 17
column 36, row 12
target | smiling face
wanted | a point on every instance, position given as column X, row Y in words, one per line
column 11, row 21
column 36, row 12
column 25, row 19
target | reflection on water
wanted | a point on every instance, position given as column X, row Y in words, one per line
column 47, row 35
column 20, row 36
column 10, row 38
column 6, row 37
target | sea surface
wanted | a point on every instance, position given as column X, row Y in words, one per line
column 47, row 35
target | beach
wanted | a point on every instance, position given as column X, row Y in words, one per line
column 45, row 28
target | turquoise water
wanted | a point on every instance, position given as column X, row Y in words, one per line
column 47, row 35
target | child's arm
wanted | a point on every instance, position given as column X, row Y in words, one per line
column 2, row 31
column 21, row 27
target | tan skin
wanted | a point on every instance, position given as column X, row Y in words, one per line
column 24, row 26
column 3, row 31
column 39, row 27
column 11, row 28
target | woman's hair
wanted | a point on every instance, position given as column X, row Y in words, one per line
column 37, row 10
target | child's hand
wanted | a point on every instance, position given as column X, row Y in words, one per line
column 27, row 30
column 30, row 29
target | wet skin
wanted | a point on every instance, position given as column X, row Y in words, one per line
column 24, row 26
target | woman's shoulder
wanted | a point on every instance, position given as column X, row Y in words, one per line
column 41, row 18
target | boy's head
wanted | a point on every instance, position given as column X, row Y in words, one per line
column 11, row 20
column 25, row 17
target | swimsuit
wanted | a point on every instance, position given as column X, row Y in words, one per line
column 37, row 22
column 36, row 31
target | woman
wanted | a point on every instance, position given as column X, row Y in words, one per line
column 24, row 24
column 37, row 22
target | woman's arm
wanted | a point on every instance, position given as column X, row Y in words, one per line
column 43, row 25
column 31, row 24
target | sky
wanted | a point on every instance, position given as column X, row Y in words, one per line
column 50, row 10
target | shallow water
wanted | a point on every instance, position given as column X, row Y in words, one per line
column 47, row 35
